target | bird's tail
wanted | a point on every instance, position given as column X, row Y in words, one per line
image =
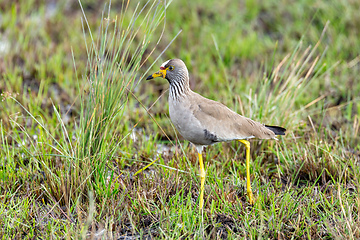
column 277, row 130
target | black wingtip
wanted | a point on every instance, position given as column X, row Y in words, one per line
column 277, row 130
column 149, row 77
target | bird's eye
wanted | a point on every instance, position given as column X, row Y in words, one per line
column 171, row 68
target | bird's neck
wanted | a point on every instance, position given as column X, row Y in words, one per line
column 179, row 89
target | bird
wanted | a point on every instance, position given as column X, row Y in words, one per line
column 204, row 122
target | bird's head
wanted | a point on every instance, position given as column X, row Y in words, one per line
column 172, row 70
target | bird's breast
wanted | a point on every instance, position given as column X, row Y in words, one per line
column 190, row 128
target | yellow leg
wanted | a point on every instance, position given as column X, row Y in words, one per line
column 202, row 179
column 248, row 185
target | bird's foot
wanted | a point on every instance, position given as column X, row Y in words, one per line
column 251, row 197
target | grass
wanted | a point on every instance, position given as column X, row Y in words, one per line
column 78, row 124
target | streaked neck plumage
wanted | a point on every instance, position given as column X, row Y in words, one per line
column 179, row 87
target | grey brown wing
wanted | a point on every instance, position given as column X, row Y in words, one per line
column 223, row 124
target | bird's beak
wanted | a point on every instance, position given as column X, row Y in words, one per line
column 161, row 73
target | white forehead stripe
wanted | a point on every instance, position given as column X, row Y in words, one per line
column 164, row 64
